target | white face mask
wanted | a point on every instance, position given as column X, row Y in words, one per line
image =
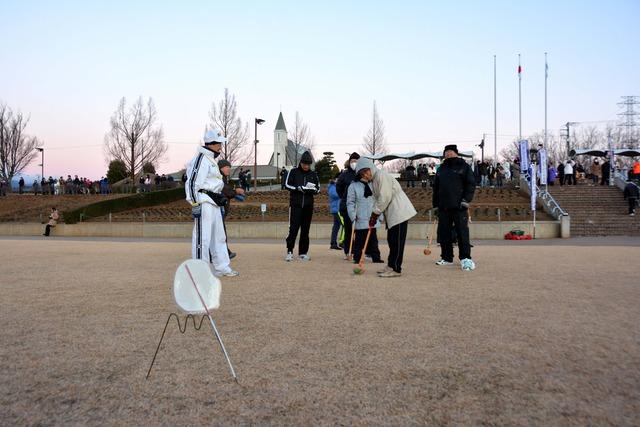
column 353, row 165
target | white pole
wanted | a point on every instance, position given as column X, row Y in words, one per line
column 519, row 100
column 495, row 116
column 546, row 77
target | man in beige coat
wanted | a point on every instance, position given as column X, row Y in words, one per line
column 390, row 200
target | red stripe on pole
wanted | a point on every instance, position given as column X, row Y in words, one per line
column 519, row 69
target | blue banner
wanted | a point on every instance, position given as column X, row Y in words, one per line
column 534, row 189
column 542, row 157
column 524, row 156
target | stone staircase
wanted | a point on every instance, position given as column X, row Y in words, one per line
column 596, row 210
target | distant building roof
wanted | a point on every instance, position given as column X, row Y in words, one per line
column 280, row 124
column 290, row 151
column 264, row 172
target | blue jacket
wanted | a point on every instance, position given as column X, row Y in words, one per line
column 334, row 199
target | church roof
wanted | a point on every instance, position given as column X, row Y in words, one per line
column 290, row 151
column 280, row 124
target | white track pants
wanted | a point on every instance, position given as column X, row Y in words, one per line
column 209, row 241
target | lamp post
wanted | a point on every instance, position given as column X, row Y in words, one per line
column 533, row 158
column 255, row 152
column 41, row 150
column 568, row 124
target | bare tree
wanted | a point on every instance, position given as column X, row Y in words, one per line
column 17, row 149
column 374, row 142
column 134, row 137
column 301, row 137
column 224, row 117
column 556, row 148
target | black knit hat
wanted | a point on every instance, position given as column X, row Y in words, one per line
column 306, row 158
column 222, row 163
column 353, row 156
column 451, row 147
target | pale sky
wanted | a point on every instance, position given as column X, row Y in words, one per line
column 429, row 66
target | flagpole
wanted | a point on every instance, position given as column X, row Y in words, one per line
column 546, row 77
column 519, row 99
column 495, row 116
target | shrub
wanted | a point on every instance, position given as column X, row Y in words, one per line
column 134, row 201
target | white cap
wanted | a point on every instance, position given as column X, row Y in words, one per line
column 213, row 136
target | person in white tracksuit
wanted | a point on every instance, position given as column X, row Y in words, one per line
column 204, row 192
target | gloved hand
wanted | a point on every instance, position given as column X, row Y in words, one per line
column 464, row 204
column 373, row 219
column 196, row 210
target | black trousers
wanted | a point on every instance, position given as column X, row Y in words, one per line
column 47, row 229
column 372, row 247
column 397, row 237
column 448, row 221
column 347, row 226
column 299, row 219
column 632, row 204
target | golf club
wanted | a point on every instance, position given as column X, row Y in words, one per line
column 353, row 234
column 427, row 250
column 360, row 268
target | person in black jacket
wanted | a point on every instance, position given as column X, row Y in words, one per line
column 346, row 177
column 452, row 192
column 631, row 194
column 303, row 184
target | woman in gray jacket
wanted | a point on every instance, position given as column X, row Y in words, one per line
column 390, row 200
column 360, row 207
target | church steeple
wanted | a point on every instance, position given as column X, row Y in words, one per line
column 280, row 124
column 280, row 142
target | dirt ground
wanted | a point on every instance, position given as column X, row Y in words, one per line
column 536, row 335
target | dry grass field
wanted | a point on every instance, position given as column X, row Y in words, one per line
column 537, row 335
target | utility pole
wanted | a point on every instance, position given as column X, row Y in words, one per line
column 481, row 145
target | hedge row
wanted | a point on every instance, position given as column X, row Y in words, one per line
column 134, row 201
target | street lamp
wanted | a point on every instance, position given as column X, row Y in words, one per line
column 255, row 152
column 277, row 162
column 568, row 124
column 533, row 160
column 41, row 150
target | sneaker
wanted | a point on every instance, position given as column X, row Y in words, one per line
column 346, row 258
column 390, row 273
column 304, row 257
column 289, row 257
column 468, row 264
column 385, row 269
column 378, row 261
column 444, row 262
column 230, row 273
column 631, row 214
column 336, row 247
column 232, row 255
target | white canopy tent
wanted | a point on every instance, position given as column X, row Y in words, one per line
column 627, row 152
column 414, row 156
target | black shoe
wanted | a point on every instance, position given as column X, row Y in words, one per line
column 378, row 261
column 232, row 255
column 336, row 247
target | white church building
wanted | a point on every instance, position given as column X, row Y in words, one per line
column 285, row 152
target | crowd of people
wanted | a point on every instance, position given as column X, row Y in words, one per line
column 60, row 186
